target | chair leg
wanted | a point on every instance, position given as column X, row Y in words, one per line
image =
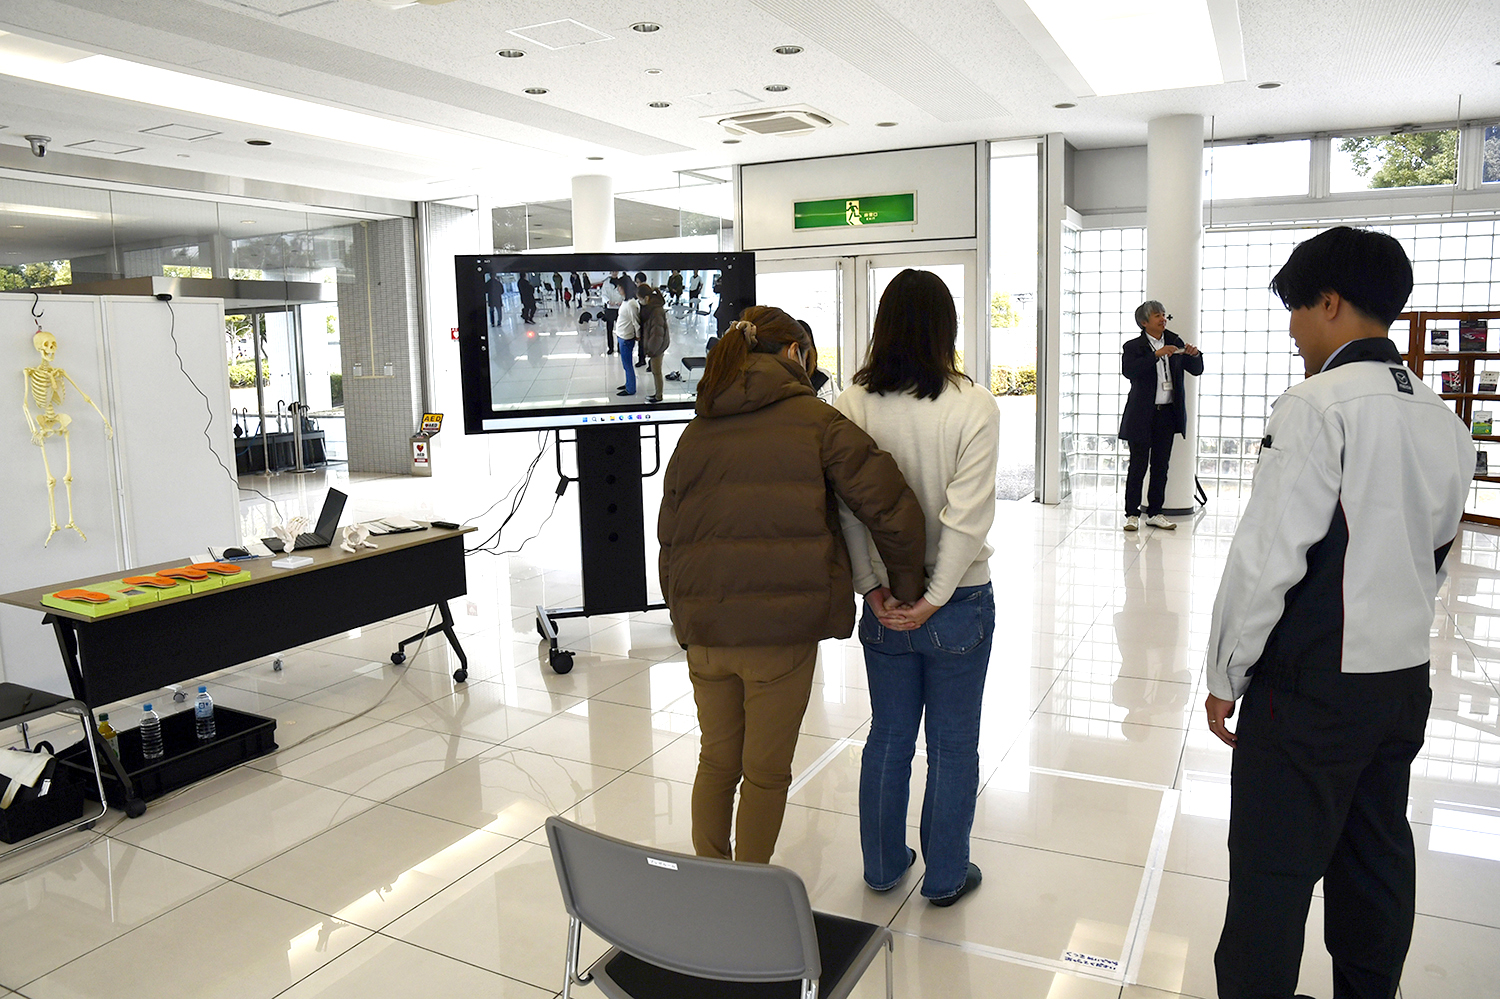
column 890, row 969
column 810, row 988
column 575, row 943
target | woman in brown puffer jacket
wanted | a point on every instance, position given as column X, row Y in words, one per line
column 754, row 568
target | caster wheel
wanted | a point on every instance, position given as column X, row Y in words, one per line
column 277, row 664
column 398, row 658
column 86, row 826
column 460, row 676
column 560, row 660
column 135, row 808
column 179, row 696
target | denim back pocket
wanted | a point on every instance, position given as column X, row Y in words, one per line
column 959, row 625
column 871, row 631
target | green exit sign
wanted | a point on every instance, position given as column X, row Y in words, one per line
column 881, row 209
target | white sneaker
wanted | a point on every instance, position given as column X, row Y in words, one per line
column 1157, row 520
column 1132, row 523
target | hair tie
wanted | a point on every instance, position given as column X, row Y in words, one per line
column 747, row 328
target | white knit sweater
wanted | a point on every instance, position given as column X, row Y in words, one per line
column 947, row 448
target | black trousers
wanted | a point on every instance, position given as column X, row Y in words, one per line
column 1319, row 786
column 1154, row 452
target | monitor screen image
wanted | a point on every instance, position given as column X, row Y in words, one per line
column 537, row 344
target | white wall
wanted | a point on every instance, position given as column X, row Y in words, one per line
column 942, row 177
column 1109, row 180
column 154, row 493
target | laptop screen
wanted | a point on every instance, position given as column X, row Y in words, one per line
column 333, row 509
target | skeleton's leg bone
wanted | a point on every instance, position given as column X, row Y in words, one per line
column 51, row 492
column 68, row 482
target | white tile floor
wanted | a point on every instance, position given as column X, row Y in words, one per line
column 393, row 845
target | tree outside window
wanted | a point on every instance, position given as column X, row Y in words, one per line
column 1411, row 159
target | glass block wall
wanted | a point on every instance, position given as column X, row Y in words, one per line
column 1243, row 332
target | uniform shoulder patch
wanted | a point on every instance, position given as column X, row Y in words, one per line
column 1403, row 380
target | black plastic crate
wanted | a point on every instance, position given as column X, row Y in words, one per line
column 239, row 736
column 62, row 804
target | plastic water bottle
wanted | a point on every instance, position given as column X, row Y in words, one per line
column 151, row 745
column 203, row 715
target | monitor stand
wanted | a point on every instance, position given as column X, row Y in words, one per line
column 612, row 527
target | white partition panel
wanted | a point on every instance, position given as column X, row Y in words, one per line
column 154, row 493
column 28, row 651
column 173, row 417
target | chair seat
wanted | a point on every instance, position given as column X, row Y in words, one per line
column 841, row 942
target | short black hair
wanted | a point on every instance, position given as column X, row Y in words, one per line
column 1368, row 269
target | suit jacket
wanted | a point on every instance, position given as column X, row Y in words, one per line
column 1138, row 364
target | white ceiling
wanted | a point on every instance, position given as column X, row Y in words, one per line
column 945, row 71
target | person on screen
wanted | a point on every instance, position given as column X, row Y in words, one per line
column 674, row 286
column 695, row 289
column 627, row 328
column 557, row 286
column 494, row 294
column 527, row 291
column 654, row 338
column 576, row 280
column 753, row 565
column 614, row 297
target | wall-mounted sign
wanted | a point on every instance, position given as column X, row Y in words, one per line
column 881, row 209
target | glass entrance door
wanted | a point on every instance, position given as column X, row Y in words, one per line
column 839, row 295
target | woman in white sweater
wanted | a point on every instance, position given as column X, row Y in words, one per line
column 929, row 657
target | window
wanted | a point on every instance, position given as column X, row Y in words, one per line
column 1491, row 154
column 1256, row 170
column 1409, row 159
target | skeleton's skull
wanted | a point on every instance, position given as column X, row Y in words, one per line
column 46, row 343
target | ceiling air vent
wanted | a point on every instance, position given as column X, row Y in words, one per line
column 776, row 121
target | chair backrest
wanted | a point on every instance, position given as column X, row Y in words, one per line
column 709, row 918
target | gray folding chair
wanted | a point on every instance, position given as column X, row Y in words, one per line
column 683, row 927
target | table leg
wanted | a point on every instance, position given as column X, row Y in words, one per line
column 67, row 643
column 461, row 674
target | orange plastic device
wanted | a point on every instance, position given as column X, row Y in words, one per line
column 87, row 596
column 217, row 568
column 186, row 572
column 158, row 582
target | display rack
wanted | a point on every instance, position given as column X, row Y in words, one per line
column 1420, row 356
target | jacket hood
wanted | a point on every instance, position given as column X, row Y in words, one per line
column 765, row 379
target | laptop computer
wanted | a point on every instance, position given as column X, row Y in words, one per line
column 322, row 535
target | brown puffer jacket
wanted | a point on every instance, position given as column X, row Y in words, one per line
column 751, row 549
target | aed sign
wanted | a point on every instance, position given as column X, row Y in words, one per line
column 879, row 209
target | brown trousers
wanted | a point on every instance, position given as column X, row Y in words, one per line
column 656, row 373
column 750, row 706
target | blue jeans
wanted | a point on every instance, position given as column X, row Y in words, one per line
column 627, row 351
column 940, row 669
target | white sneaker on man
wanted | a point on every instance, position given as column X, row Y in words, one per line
column 1132, row 523
column 1157, row 520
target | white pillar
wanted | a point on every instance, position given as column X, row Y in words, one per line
column 593, row 213
column 1174, row 263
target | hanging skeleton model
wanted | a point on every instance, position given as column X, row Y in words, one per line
column 45, row 387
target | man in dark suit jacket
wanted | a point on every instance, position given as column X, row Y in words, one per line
column 1155, row 410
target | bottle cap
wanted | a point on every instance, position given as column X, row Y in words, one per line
column 148, row 707
column 202, row 690
column 104, row 717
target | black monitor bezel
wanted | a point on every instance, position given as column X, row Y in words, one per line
column 737, row 285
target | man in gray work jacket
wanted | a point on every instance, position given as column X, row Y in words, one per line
column 1321, row 624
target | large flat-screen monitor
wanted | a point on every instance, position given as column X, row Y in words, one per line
column 535, row 331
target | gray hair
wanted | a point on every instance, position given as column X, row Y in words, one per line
column 1146, row 310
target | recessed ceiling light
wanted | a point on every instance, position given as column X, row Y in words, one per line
column 17, row 226
column 787, row 49
column 1065, row 104
column 777, row 88
column 247, row 221
column 257, row 142
column 645, row 27
column 1267, row 86
column 731, row 142
column 659, row 104
column 596, row 157
column 885, row 124
column 653, row 72
column 536, row 91
column 510, row 53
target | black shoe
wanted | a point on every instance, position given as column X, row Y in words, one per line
column 911, row 858
column 970, row 883
column 610, row 351
column 653, row 398
column 620, row 388
column 640, row 364
column 623, row 392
